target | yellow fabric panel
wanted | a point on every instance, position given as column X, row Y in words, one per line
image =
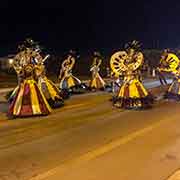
column 70, row 82
column 45, row 101
column 18, row 103
column 143, row 88
column 121, row 91
column 101, row 80
column 39, row 85
column 51, row 90
column 133, row 91
column 34, row 98
column 53, row 85
column 97, row 81
column 93, row 83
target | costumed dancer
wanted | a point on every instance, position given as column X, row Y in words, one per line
column 28, row 99
column 17, row 65
column 170, row 64
column 68, row 82
column 96, row 82
column 132, row 94
column 48, row 88
column 116, row 81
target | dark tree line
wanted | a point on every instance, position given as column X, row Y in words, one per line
column 83, row 63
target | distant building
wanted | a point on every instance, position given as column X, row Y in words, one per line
column 6, row 62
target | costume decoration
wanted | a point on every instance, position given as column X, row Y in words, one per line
column 132, row 94
column 170, row 63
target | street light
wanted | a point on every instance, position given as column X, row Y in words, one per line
column 11, row 61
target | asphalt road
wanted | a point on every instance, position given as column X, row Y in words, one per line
column 89, row 139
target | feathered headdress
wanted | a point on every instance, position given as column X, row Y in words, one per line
column 136, row 45
column 97, row 54
column 73, row 53
column 29, row 43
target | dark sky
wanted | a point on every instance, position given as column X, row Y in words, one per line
column 96, row 24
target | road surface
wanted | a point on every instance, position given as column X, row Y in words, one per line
column 89, row 139
column 148, row 83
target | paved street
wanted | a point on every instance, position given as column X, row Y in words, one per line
column 90, row 139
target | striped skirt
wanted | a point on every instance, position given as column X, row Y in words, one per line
column 28, row 101
column 133, row 95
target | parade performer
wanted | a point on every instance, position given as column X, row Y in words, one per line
column 49, row 89
column 170, row 63
column 18, row 69
column 28, row 99
column 68, row 82
column 116, row 81
column 18, row 64
column 132, row 94
column 96, row 82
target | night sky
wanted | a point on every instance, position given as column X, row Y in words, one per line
column 89, row 25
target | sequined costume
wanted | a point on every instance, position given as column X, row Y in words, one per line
column 170, row 64
column 67, row 80
column 132, row 94
column 96, row 81
column 28, row 99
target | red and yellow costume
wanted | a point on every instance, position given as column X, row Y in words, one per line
column 28, row 99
